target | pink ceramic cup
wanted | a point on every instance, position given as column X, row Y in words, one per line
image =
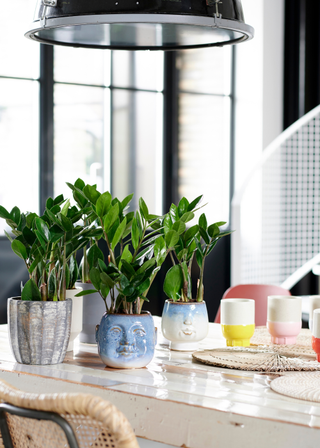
column 284, row 319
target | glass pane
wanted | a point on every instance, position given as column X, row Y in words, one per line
column 19, row 56
column 137, row 147
column 19, row 168
column 80, row 133
column 204, row 148
column 140, row 69
column 69, row 65
column 206, row 70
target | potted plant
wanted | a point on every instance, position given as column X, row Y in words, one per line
column 126, row 335
column 39, row 322
column 93, row 307
column 184, row 318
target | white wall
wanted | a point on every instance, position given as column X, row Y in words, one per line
column 259, row 84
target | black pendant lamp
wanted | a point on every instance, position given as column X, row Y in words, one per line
column 139, row 24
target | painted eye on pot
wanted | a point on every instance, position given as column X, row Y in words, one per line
column 139, row 332
column 115, row 330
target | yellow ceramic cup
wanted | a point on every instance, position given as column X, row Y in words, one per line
column 238, row 335
column 237, row 321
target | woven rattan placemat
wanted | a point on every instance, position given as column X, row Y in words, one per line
column 261, row 359
column 301, row 385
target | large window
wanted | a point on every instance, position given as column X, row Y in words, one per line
column 109, row 123
column 204, row 128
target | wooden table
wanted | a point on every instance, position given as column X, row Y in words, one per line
column 176, row 401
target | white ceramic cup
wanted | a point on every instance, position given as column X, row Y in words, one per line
column 314, row 303
column 237, row 321
column 284, row 318
column 237, row 311
column 316, row 323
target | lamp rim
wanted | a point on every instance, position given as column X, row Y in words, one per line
column 214, row 22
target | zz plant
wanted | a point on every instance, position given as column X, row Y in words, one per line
column 195, row 242
column 47, row 245
column 136, row 250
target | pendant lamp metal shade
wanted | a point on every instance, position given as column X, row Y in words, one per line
column 139, row 24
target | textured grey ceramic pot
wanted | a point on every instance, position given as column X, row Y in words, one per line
column 93, row 310
column 39, row 331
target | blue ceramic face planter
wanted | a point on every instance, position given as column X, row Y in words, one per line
column 126, row 341
column 184, row 324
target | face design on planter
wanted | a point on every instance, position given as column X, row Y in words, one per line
column 126, row 343
column 187, row 324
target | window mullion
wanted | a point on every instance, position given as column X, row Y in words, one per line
column 46, row 125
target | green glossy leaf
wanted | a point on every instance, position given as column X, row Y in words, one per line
column 31, row 291
column 91, row 193
column 65, row 208
column 119, row 232
column 183, row 206
column 143, row 209
column 146, row 265
column 145, row 253
column 173, row 283
column 15, row 215
column 220, row 223
column 30, row 217
column 127, row 269
column 102, row 265
column 188, row 216
column 43, row 229
column 107, row 280
column 174, row 213
column 198, row 244
column 204, row 235
column 86, row 292
column 8, row 236
column 143, row 286
column 29, row 236
column 104, row 289
column 160, row 250
column 112, row 231
column 211, row 247
column 139, row 223
column 203, row 221
column 58, row 200
column 95, row 277
column 66, row 223
column 199, row 258
column 213, row 231
column 126, row 254
column 49, row 203
column 79, row 183
column 111, row 217
column 167, row 224
column 126, row 201
column 19, row 249
column 172, row 237
column 135, row 233
column 191, row 232
column 94, row 254
column 182, row 254
column 56, row 233
column 194, row 203
column 179, row 226
column 103, row 204
column 41, row 240
column 4, row 213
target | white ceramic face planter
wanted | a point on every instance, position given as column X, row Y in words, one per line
column 184, row 324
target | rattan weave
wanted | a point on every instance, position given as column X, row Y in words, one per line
column 261, row 359
column 96, row 422
column 301, row 385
